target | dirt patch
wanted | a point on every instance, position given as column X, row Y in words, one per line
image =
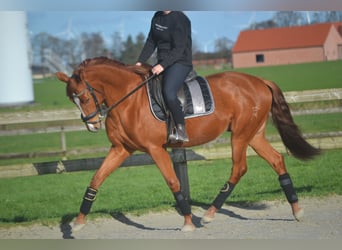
column 263, row 220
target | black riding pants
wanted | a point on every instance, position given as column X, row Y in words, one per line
column 173, row 79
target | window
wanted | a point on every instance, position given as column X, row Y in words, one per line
column 260, row 58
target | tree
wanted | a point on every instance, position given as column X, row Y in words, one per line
column 47, row 47
column 128, row 55
column 289, row 18
column 132, row 49
column 222, row 43
column 39, row 44
column 318, row 17
column 195, row 47
column 117, row 45
column 333, row 16
column 140, row 42
column 93, row 44
column 262, row 25
column 74, row 52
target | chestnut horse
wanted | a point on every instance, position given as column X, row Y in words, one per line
column 242, row 106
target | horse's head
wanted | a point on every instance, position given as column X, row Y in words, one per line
column 88, row 99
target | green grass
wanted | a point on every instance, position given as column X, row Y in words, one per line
column 295, row 77
column 54, row 198
column 319, row 122
column 49, row 93
column 315, row 123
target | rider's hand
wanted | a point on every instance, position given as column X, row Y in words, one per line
column 157, row 69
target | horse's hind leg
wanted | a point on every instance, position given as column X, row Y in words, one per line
column 239, row 168
column 264, row 149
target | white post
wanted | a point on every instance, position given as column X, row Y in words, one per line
column 16, row 86
column 63, row 143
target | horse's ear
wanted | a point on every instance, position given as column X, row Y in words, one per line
column 62, row 77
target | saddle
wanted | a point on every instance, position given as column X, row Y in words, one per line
column 195, row 98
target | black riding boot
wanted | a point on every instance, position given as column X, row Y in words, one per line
column 181, row 133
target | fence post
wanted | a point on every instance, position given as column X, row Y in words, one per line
column 63, row 143
column 181, row 169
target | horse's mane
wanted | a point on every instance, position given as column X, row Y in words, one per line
column 142, row 71
column 99, row 60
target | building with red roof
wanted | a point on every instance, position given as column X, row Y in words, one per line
column 290, row 45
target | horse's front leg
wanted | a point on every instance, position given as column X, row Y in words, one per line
column 112, row 161
column 164, row 163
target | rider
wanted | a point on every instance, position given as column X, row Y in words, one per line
column 170, row 33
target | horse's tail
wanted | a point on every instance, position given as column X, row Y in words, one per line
column 288, row 130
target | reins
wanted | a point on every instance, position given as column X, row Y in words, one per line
column 106, row 110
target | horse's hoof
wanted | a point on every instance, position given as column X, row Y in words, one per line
column 206, row 219
column 76, row 226
column 299, row 215
column 188, row 228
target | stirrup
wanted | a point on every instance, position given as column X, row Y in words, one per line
column 178, row 134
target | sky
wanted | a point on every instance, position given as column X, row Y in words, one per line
column 207, row 26
column 211, row 19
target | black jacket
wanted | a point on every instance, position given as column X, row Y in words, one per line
column 171, row 35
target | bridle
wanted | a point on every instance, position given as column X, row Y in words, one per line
column 100, row 108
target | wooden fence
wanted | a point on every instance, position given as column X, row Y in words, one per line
column 68, row 120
